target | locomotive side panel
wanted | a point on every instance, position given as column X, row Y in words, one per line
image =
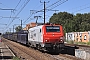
column 34, row 36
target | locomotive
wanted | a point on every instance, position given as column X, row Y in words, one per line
column 49, row 37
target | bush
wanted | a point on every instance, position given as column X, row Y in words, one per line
column 70, row 42
column 81, row 43
column 88, row 43
column 16, row 58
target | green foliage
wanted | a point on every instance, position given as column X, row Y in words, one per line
column 72, row 23
column 70, row 42
column 80, row 43
column 18, row 28
column 16, row 58
column 7, row 32
column 88, row 43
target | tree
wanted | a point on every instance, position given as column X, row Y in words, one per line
column 18, row 28
column 63, row 18
column 72, row 23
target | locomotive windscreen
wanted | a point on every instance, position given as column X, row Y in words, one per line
column 52, row 28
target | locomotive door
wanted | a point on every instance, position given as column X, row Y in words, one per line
column 39, row 36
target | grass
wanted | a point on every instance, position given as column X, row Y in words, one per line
column 70, row 42
column 88, row 43
column 16, row 58
column 81, row 43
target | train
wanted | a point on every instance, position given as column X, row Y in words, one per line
column 48, row 37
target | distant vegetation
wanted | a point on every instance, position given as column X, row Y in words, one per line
column 72, row 23
column 18, row 28
column 80, row 43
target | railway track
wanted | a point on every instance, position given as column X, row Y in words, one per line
column 82, row 52
column 79, row 46
column 26, row 53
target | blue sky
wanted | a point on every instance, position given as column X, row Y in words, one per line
column 23, row 12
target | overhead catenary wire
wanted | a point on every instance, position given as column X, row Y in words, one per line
column 79, row 8
column 53, row 3
column 37, row 6
column 18, row 4
column 9, row 18
column 28, row 17
column 3, row 4
column 49, row 9
column 19, row 8
column 21, row 5
column 54, row 6
column 18, row 13
column 6, row 9
column 31, row 15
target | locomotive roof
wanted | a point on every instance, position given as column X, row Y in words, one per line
column 36, row 27
column 23, row 31
column 40, row 26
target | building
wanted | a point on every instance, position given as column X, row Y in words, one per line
column 78, row 36
column 30, row 25
column 70, row 36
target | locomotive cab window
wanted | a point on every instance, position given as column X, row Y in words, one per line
column 52, row 28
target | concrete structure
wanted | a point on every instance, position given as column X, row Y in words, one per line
column 80, row 53
column 78, row 36
column 81, row 36
column 83, row 54
column 70, row 36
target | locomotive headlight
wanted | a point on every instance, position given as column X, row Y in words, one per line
column 46, row 40
column 61, row 39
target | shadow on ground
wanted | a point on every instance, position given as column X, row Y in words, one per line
column 69, row 50
column 6, row 57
